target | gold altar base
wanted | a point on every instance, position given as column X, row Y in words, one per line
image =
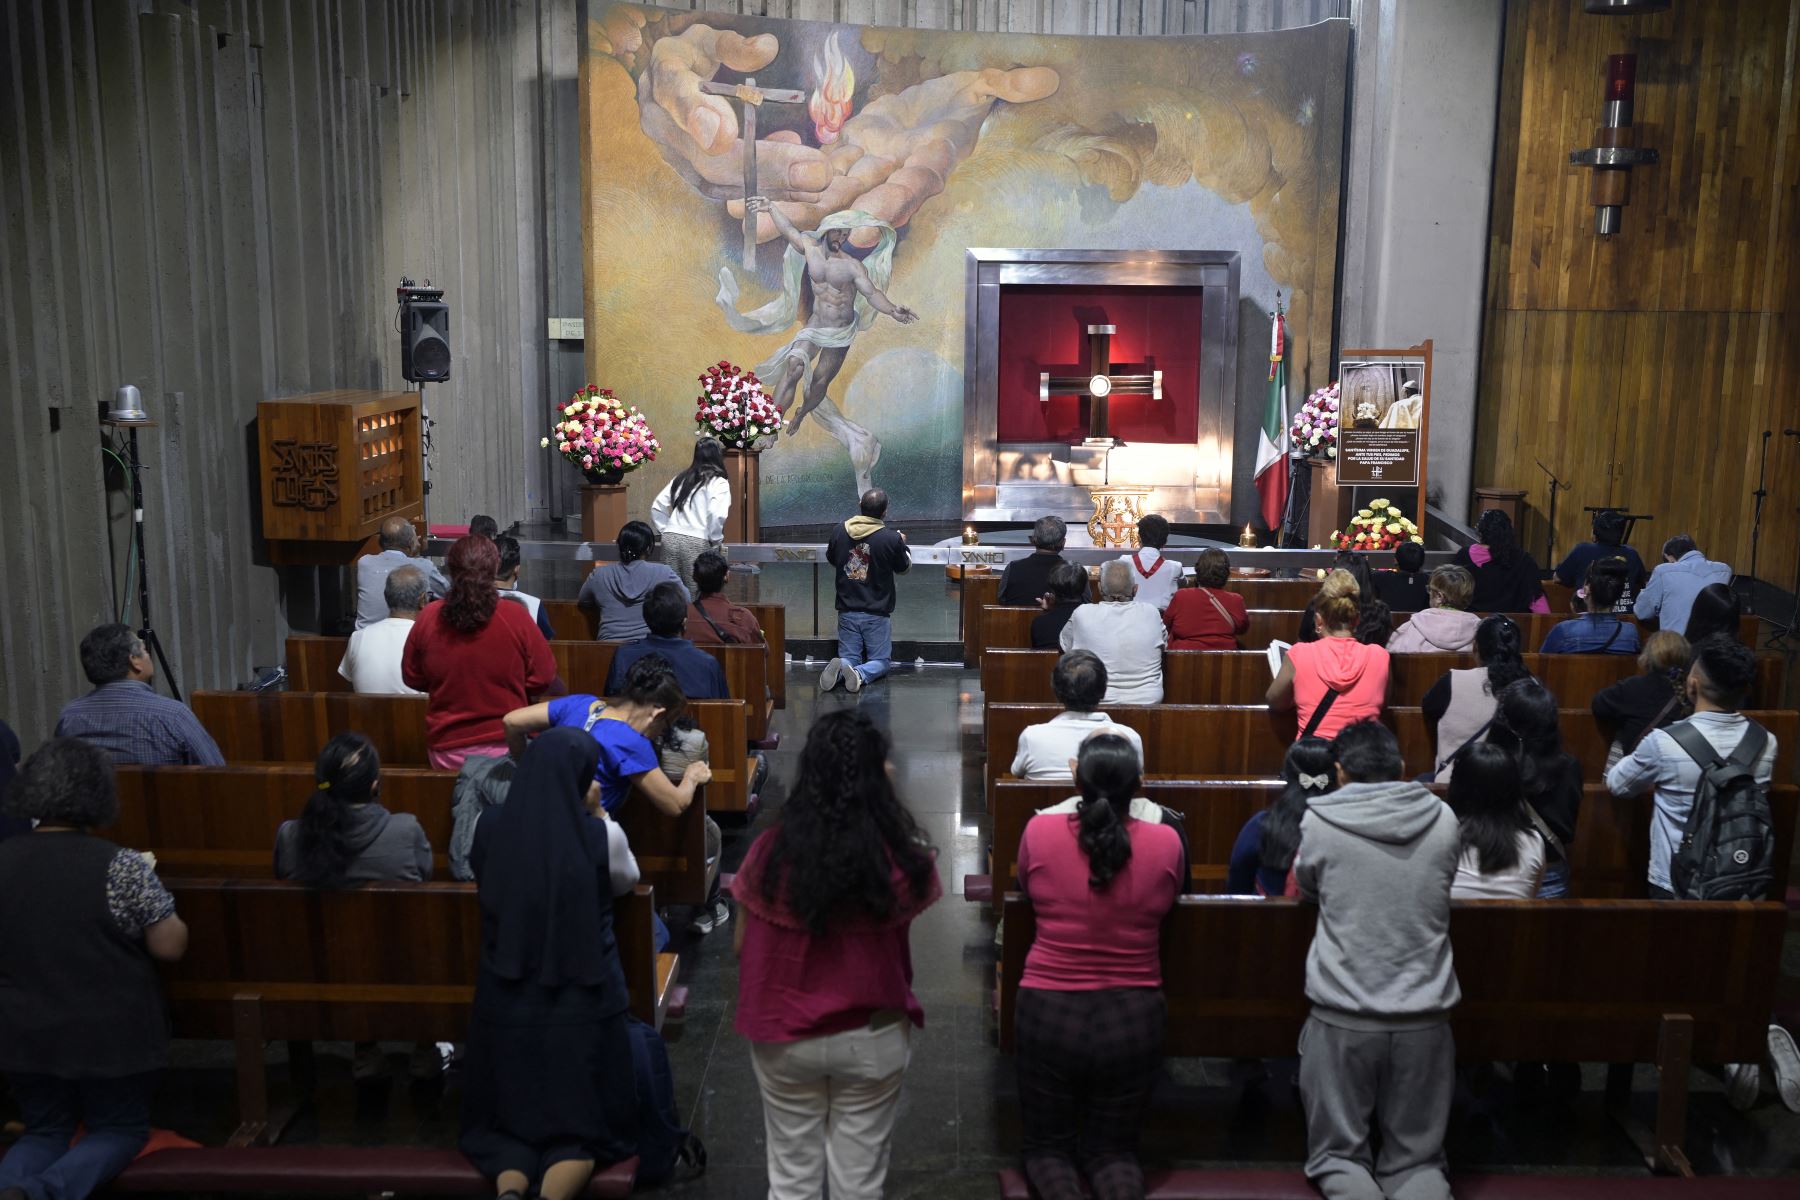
column 1117, row 510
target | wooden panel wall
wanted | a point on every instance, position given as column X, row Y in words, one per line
column 1644, row 368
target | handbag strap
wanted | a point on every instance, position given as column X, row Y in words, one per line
column 1618, row 628
column 1470, row 740
column 1662, row 714
column 714, row 625
column 1545, row 831
column 1224, row 613
column 1318, row 714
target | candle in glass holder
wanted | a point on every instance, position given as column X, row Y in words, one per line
column 970, row 537
column 1247, row 539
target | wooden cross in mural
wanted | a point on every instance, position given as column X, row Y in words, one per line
column 1099, row 382
column 753, row 97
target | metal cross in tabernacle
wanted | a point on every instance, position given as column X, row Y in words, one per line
column 1099, row 382
column 753, row 97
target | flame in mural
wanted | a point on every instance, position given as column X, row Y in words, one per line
column 830, row 101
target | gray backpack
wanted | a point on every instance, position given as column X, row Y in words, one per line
column 1727, row 849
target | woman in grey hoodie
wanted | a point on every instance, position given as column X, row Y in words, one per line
column 344, row 835
column 1447, row 627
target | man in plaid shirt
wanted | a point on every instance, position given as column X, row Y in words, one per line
column 124, row 716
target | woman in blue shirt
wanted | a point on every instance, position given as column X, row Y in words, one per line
column 1264, row 851
column 626, row 729
column 1597, row 631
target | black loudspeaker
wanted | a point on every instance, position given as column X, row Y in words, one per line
column 424, row 335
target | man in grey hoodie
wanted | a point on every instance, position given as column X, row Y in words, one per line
column 1377, row 857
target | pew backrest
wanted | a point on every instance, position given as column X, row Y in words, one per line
column 1010, row 676
column 571, row 623
column 1194, row 741
column 374, row 962
column 1545, row 980
column 221, row 822
column 1609, row 856
column 256, row 727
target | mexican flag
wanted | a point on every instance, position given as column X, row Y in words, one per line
column 1272, row 446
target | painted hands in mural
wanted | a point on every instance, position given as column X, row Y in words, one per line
column 887, row 160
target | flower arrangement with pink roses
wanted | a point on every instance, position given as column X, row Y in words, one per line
column 733, row 407
column 600, row 434
column 1314, row 431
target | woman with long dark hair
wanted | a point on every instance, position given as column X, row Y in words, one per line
column 549, row 1089
column 690, row 511
column 1460, row 705
column 1507, row 578
column 1374, row 619
column 344, row 835
column 1091, row 1014
column 1716, row 610
column 478, row 659
column 1502, row 855
column 1264, row 851
column 1525, row 721
column 616, row 591
column 825, row 997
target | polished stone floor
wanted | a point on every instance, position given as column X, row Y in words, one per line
column 958, row 1121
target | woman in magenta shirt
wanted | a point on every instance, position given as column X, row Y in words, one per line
column 1336, row 663
column 825, row 979
column 1089, row 1033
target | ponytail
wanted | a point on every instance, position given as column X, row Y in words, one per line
column 1107, row 774
column 346, row 773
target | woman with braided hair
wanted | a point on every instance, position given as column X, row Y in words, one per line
column 825, row 981
column 1091, row 1014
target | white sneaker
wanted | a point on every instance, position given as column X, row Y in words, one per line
column 1743, row 1082
column 709, row 919
column 853, row 680
column 834, row 670
column 1785, row 1060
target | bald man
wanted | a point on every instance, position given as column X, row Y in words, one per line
column 399, row 548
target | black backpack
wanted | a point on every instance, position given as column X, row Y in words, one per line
column 1727, row 849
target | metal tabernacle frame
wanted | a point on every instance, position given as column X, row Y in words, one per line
column 988, row 270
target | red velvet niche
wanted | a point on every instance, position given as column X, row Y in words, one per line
column 1044, row 328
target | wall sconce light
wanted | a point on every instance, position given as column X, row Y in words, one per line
column 1612, row 156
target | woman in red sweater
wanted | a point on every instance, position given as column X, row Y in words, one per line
column 1091, row 1015
column 1207, row 617
column 477, row 658
column 825, row 994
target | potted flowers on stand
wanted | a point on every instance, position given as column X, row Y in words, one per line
column 734, row 408
column 1313, row 434
column 605, row 438
column 1377, row 527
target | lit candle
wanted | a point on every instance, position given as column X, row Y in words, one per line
column 1248, row 539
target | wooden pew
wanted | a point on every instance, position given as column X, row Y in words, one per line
column 313, row 661
column 1194, row 741
column 570, row 623
column 221, row 822
column 1010, row 628
column 269, row 961
column 1608, row 858
column 1242, row 676
column 1615, row 981
column 257, row 727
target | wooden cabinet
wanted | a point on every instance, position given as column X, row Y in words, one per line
column 335, row 465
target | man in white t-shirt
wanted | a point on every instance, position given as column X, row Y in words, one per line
column 1156, row 576
column 1046, row 750
column 1128, row 637
column 372, row 660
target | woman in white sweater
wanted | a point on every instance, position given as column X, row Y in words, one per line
column 690, row 512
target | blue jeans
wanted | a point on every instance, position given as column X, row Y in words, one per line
column 43, row 1164
column 866, row 643
column 1555, row 883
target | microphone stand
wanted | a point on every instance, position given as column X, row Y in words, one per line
column 1761, row 493
column 1550, row 538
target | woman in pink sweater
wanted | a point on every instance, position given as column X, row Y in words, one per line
column 1354, row 675
column 1091, row 1014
